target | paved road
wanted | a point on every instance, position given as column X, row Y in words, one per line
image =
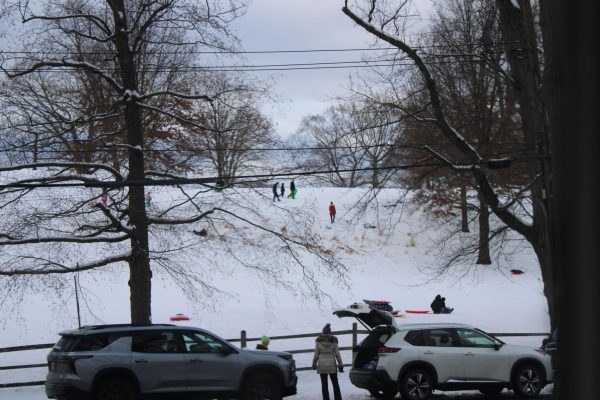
column 479, row 396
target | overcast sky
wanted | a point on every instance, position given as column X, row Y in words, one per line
column 302, row 25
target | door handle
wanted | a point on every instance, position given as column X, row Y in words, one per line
column 195, row 360
column 428, row 352
column 141, row 360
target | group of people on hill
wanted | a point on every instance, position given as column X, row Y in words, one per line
column 279, row 190
column 327, row 360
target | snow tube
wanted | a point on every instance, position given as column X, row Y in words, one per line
column 417, row 311
column 179, row 317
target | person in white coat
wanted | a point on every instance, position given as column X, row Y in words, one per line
column 328, row 361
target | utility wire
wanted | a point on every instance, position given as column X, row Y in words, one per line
column 90, row 183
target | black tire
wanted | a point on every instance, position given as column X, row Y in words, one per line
column 491, row 390
column 115, row 389
column 416, row 384
column 384, row 394
column 528, row 380
column 262, row 386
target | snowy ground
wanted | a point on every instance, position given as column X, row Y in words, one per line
column 382, row 263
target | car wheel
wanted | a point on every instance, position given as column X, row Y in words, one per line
column 491, row 390
column 115, row 389
column 262, row 386
column 416, row 384
column 528, row 381
column 383, row 393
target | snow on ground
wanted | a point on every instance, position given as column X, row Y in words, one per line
column 381, row 264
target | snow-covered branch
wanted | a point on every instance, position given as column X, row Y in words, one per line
column 65, row 63
column 48, row 267
column 70, row 165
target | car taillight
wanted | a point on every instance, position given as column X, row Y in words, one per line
column 70, row 361
column 386, row 350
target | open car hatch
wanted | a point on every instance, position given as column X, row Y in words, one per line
column 367, row 316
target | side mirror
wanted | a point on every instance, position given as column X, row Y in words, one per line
column 544, row 343
column 497, row 346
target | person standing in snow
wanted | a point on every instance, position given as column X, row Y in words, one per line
column 328, row 361
column 275, row 192
column 149, row 200
column 293, row 190
column 282, row 189
column 332, row 212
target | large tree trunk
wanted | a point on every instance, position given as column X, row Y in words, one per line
column 518, row 33
column 463, row 207
column 139, row 264
column 483, row 253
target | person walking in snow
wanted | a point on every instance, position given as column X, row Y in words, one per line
column 293, row 190
column 149, row 200
column 275, row 192
column 328, row 361
column 332, row 212
column 282, row 189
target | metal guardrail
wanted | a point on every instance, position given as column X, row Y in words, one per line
column 243, row 340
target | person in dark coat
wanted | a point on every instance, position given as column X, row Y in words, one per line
column 445, row 310
column 275, row 191
column 328, row 361
column 293, row 190
column 437, row 304
column 332, row 212
column 282, row 189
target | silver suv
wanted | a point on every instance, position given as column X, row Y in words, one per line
column 417, row 359
column 125, row 362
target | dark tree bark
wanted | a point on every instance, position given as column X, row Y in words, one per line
column 464, row 216
column 483, row 253
column 139, row 264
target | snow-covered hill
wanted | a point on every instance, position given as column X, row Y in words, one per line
column 388, row 252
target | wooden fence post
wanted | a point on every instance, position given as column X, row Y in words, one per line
column 243, row 339
column 354, row 340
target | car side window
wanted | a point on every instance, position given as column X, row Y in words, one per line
column 199, row 342
column 420, row 337
column 443, row 337
column 156, row 342
column 473, row 338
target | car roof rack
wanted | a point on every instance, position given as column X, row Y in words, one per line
column 94, row 327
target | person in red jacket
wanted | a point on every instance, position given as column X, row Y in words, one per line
column 332, row 212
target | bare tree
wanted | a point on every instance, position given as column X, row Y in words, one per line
column 112, row 79
column 384, row 19
column 233, row 130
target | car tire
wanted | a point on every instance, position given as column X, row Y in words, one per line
column 115, row 389
column 262, row 386
column 491, row 390
column 416, row 384
column 384, row 394
column 528, row 380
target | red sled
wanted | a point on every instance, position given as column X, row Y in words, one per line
column 179, row 317
column 417, row 311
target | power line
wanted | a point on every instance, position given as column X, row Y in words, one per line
column 278, row 51
column 89, row 183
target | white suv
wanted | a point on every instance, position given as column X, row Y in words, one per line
column 416, row 359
